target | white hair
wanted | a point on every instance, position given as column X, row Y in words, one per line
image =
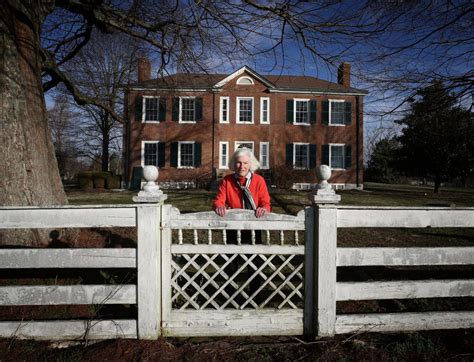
column 254, row 164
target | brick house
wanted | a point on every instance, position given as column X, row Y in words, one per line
column 190, row 124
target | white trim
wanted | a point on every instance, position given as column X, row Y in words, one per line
column 294, row 155
column 144, row 109
column 245, row 78
column 262, row 164
column 221, row 164
column 262, row 100
column 307, row 100
column 330, row 112
column 241, row 71
column 142, row 152
column 237, row 113
column 290, row 90
column 343, row 145
column 221, row 100
column 179, row 153
column 180, row 112
column 236, row 143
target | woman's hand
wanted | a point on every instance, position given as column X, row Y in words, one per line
column 220, row 210
column 260, row 211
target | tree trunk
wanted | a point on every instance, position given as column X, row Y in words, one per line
column 105, row 143
column 437, row 183
column 30, row 175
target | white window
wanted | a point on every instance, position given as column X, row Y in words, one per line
column 336, row 112
column 150, row 108
column 242, row 144
column 244, row 112
column 149, row 154
column 301, row 155
column 336, row 156
column 264, row 110
column 224, row 110
column 185, row 154
column 187, row 110
column 301, row 111
column 223, row 154
column 264, row 155
column 245, row 81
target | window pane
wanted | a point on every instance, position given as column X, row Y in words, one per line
column 264, row 154
column 224, row 110
column 264, row 110
column 151, row 154
column 246, row 145
column 337, row 112
column 223, row 155
column 301, row 156
column 337, row 156
column 151, row 109
column 186, row 154
column 301, row 112
column 245, row 107
column 187, row 109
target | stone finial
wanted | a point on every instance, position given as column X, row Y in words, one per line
column 324, row 194
column 151, row 191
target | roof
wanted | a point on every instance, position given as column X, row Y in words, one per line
column 275, row 82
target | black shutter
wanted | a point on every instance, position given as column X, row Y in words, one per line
column 138, row 108
column 347, row 157
column 175, row 110
column 347, row 112
column 174, row 154
column 289, row 111
column 312, row 112
column 198, row 108
column 162, row 109
column 161, row 154
column 325, row 155
column 289, row 154
column 325, row 112
column 197, row 154
column 312, row 156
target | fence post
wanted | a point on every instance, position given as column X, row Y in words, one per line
column 149, row 255
column 321, row 308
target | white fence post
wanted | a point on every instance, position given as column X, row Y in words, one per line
column 324, row 252
column 149, row 256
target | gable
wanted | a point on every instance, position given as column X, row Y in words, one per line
column 243, row 73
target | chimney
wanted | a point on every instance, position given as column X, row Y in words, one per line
column 344, row 75
column 144, row 69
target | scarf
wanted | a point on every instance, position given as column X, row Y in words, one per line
column 247, row 198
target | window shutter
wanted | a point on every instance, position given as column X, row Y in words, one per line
column 138, row 108
column 162, row 109
column 289, row 112
column 175, row 115
column 325, row 155
column 174, row 154
column 325, row 112
column 289, row 154
column 197, row 154
column 347, row 112
column 161, row 154
column 312, row 111
column 347, row 157
column 312, row 156
column 198, row 107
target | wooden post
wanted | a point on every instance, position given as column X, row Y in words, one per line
column 149, row 256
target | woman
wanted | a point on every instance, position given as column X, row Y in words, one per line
column 244, row 189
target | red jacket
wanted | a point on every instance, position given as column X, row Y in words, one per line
column 230, row 194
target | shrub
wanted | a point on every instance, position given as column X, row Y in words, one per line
column 112, row 182
column 84, row 180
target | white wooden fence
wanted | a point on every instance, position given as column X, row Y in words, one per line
column 193, row 280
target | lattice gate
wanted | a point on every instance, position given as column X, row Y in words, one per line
column 232, row 276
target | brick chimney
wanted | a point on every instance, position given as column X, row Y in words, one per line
column 344, row 75
column 144, row 69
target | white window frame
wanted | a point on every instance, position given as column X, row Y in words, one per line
column 239, row 81
column 181, row 109
column 238, row 143
column 294, row 155
column 343, row 145
column 263, row 165
column 330, row 113
column 237, row 113
column 294, row 111
column 221, row 109
column 144, row 109
column 142, row 151
column 262, row 100
column 179, row 153
column 221, row 154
